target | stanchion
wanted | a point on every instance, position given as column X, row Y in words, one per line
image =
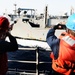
column 37, row 61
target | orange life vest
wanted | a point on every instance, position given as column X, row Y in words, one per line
column 65, row 63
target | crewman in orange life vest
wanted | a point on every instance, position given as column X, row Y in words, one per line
column 63, row 48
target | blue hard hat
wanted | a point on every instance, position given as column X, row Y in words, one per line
column 70, row 24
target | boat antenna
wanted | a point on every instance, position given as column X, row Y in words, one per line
column 15, row 9
column 46, row 12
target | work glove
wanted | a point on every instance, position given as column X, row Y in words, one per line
column 59, row 26
column 55, row 27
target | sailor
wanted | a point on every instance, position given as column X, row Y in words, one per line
column 63, row 48
column 5, row 46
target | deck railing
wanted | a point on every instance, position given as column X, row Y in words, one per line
column 17, row 71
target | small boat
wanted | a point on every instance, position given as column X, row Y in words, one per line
column 29, row 25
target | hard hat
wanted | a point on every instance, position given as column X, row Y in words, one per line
column 70, row 24
column 4, row 23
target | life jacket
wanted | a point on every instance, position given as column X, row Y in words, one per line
column 65, row 63
column 3, row 64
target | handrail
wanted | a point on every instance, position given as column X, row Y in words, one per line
column 36, row 62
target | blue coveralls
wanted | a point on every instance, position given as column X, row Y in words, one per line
column 53, row 42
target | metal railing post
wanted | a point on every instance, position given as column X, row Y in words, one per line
column 37, row 60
